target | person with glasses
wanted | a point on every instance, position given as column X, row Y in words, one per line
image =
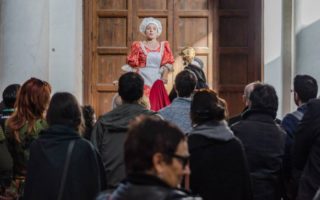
column 156, row 159
column 24, row 125
column 217, row 158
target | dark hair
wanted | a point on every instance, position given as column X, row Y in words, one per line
column 264, row 97
column 9, row 95
column 130, row 87
column 89, row 120
column 146, row 137
column 64, row 110
column 306, row 87
column 206, row 105
column 185, row 83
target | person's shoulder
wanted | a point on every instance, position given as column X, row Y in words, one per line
column 85, row 144
column 165, row 43
column 41, row 124
column 136, row 42
column 165, row 110
column 104, row 196
column 108, row 114
column 237, row 124
column 289, row 118
column 176, row 194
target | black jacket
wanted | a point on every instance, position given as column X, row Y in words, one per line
column 146, row 187
column 218, row 163
column 306, row 151
column 263, row 141
column 47, row 157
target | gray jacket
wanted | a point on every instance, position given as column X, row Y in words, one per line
column 108, row 136
column 178, row 112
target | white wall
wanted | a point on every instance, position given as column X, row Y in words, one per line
column 65, row 51
column 307, row 35
column 24, row 41
column 273, row 46
column 29, row 31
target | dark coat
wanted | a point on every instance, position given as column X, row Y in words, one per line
column 146, row 187
column 6, row 163
column 108, row 137
column 218, row 163
column 263, row 141
column 306, row 151
column 47, row 159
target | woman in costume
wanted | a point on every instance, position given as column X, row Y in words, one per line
column 150, row 58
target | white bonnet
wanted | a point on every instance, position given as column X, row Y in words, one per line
column 150, row 20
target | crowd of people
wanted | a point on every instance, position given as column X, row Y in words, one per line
column 156, row 146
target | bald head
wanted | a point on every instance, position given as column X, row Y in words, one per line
column 247, row 91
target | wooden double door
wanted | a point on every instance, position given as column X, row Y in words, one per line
column 226, row 35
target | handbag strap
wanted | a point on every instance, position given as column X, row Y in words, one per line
column 65, row 169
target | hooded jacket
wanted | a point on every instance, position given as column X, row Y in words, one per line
column 218, row 164
column 108, row 136
column 47, row 160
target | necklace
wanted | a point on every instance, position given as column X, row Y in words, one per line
column 151, row 44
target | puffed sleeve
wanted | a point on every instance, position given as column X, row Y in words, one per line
column 167, row 58
column 133, row 57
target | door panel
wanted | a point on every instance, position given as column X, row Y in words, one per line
column 152, row 4
column 193, row 5
column 238, row 49
column 113, row 5
column 226, row 35
column 193, row 27
column 110, row 39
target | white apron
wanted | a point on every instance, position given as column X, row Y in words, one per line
column 151, row 72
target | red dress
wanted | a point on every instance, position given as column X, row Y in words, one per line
column 150, row 64
column 138, row 58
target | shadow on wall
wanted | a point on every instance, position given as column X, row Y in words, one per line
column 307, row 51
column 273, row 76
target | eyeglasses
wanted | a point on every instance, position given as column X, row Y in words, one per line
column 184, row 160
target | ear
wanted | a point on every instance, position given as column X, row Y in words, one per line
column 158, row 163
column 296, row 98
column 244, row 99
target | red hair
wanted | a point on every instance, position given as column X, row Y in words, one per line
column 31, row 104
